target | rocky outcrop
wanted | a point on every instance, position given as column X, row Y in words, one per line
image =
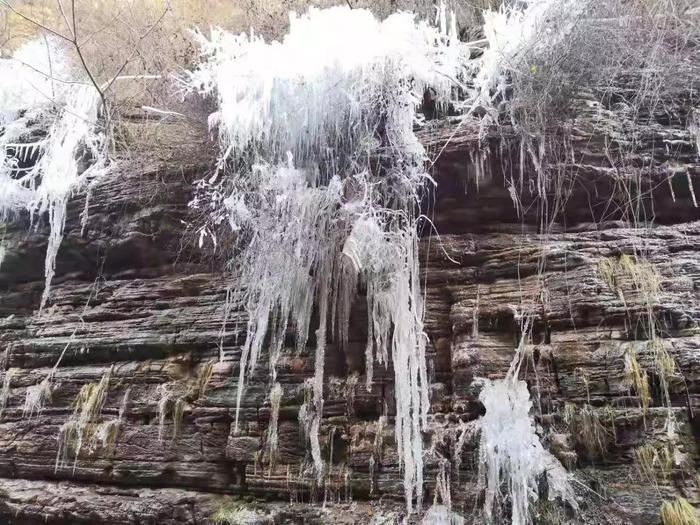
column 135, row 298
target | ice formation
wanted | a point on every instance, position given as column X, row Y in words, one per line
column 512, row 459
column 320, row 177
column 162, row 410
column 276, row 393
column 40, row 96
column 441, row 515
column 5, row 392
column 36, row 396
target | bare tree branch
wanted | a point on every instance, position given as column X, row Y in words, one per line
column 32, row 21
column 75, row 29
column 136, row 47
column 65, row 18
column 73, row 40
column 47, row 75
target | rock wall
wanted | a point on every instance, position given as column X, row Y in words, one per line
column 136, row 298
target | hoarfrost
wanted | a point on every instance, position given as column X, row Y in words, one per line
column 512, row 33
column 312, row 92
column 39, row 93
column 320, row 177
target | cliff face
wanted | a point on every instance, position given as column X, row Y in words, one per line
column 134, row 298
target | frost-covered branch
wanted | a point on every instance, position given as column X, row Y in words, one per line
column 40, row 176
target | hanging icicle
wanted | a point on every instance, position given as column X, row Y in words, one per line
column 39, row 94
column 321, row 176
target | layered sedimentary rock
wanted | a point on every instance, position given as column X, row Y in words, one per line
column 134, row 297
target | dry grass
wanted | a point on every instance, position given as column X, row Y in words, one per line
column 235, row 513
column 655, row 462
column 679, row 512
column 547, row 513
column 82, row 429
column 90, row 400
column 591, row 429
column 644, row 275
column 658, row 362
column 636, row 377
column 178, row 415
column 203, row 378
column 664, row 363
column 107, row 433
column 607, row 270
column 631, row 278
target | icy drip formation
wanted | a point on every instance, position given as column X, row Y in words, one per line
column 512, row 459
column 39, row 96
column 320, row 176
column 276, row 393
column 394, row 300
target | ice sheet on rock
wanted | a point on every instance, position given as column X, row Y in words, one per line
column 512, row 459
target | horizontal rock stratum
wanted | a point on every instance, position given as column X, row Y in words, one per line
column 133, row 294
column 416, row 280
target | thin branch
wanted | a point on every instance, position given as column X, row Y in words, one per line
column 49, row 76
column 133, row 77
column 32, row 21
column 162, row 111
column 92, row 79
column 65, row 18
column 91, row 35
column 48, row 54
column 136, row 46
column 75, row 29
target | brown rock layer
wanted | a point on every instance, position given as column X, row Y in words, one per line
column 135, row 296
